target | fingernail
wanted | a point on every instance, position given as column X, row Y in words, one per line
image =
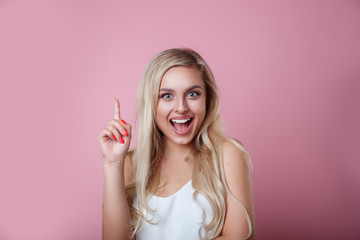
column 124, row 132
column 122, row 140
column 123, row 121
column 114, row 137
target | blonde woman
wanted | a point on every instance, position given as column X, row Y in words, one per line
column 185, row 179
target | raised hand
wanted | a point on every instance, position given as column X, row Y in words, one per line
column 115, row 138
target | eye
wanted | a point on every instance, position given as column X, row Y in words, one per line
column 193, row 94
column 166, row 96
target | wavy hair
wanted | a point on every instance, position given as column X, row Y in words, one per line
column 208, row 176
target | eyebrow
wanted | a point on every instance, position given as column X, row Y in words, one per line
column 171, row 90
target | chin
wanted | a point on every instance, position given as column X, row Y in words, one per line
column 182, row 141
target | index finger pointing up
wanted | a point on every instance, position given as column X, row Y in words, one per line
column 117, row 109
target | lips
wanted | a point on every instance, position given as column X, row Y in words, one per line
column 181, row 125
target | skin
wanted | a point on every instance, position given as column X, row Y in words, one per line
column 182, row 93
column 116, row 213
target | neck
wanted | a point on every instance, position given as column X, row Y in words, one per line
column 175, row 151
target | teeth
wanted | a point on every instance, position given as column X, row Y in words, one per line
column 180, row 121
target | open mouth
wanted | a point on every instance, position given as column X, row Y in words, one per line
column 181, row 126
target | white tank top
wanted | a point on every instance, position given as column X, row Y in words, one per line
column 178, row 216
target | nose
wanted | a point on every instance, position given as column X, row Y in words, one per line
column 181, row 106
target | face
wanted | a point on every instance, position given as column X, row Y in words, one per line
column 181, row 105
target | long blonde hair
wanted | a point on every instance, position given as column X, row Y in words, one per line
column 208, row 176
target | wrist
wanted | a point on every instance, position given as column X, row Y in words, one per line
column 113, row 164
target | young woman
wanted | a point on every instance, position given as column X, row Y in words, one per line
column 185, row 179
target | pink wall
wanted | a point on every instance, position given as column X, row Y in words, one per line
column 289, row 78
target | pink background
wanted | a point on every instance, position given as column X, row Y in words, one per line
column 289, row 79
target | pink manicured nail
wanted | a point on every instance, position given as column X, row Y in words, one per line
column 123, row 121
column 114, row 137
column 122, row 140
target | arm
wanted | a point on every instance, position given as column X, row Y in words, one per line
column 114, row 144
column 116, row 212
column 238, row 179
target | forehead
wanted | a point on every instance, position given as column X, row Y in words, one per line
column 181, row 78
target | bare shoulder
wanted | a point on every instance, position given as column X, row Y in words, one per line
column 128, row 169
column 237, row 168
column 235, row 156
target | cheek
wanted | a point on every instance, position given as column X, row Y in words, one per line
column 199, row 108
column 162, row 111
